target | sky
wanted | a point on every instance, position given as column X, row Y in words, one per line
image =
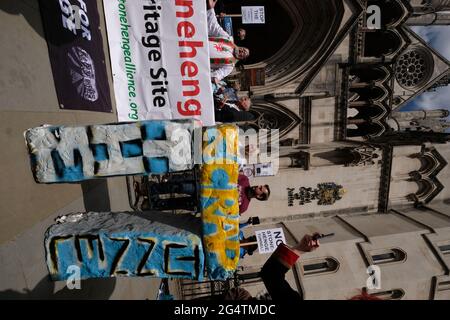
column 437, row 37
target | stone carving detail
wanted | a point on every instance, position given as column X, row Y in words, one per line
column 426, row 177
column 362, row 156
column 325, row 194
column 414, row 68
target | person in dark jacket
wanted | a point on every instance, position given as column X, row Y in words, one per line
column 228, row 115
column 233, row 111
column 273, row 273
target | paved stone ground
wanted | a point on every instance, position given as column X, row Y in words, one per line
column 28, row 99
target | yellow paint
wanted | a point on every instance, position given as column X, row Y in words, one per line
column 219, row 242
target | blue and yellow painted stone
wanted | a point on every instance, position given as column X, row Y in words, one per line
column 219, row 200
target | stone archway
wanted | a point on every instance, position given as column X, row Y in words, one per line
column 318, row 28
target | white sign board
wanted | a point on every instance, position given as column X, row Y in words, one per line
column 160, row 59
column 253, row 15
column 268, row 240
column 257, row 170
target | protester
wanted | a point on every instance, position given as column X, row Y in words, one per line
column 231, row 115
column 189, row 202
column 273, row 273
column 241, row 34
column 237, row 294
column 242, row 104
column 365, row 296
column 228, row 107
column 223, row 52
column 223, row 90
column 246, row 248
column 189, row 188
column 247, row 192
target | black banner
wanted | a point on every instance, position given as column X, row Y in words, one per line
column 75, row 45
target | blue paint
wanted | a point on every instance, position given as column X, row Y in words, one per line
column 55, row 132
column 219, row 153
column 227, row 25
column 100, row 151
column 215, row 270
column 131, row 149
column 66, row 173
column 180, row 259
column 67, row 256
column 229, row 202
column 230, row 254
column 233, row 238
column 153, row 130
column 91, row 264
column 219, row 213
column 210, row 134
column 33, row 160
column 156, row 165
column 209, row 228
column 206, row 202
column 227, row 227
column 220, row 179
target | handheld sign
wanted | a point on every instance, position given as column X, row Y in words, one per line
column 253, row 15
column 268, row 240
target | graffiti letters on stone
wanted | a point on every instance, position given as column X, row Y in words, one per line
column 219, row 200
column 69, row 154
column 325, row 194
column 159, row 251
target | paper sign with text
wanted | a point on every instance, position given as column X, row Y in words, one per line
column 253, row 15
column 268, row 240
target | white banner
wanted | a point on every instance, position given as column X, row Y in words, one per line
column 253, row 14
column 268, row 240
column 160, row 59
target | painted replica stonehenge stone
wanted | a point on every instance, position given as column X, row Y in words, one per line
column 71, row 154
column 219, row 201
column 108, row 244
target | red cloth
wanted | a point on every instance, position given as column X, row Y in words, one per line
column 285, row 254
column 244, row 200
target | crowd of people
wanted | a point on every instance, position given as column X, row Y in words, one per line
column 224, row 54
column 231, row 106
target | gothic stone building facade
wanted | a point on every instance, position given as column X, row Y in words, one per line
column 351, row 162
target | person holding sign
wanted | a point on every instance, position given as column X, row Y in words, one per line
column 223, row 52
column 284, row 257
column 248, row 245
column 227, row 110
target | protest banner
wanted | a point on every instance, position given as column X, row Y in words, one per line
column 160, row 59
column 75, row 45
